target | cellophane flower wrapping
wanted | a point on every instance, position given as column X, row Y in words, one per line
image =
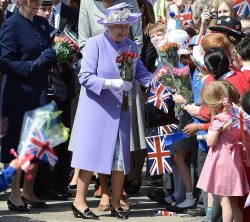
column 125, row 61
column 169, row 52
column 66, row 49
column 177, row 80
column 45, row 126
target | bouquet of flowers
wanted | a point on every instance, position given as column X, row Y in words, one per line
column 169, row 53
column 176, row 80
column 41, row 131
column 183, row 82
column 66, row 49
column 125, row 61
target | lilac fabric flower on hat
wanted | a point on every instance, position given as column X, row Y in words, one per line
column 119, row 14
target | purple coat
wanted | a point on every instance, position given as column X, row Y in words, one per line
column 100, row 118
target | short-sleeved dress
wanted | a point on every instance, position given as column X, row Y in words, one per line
column 223, row 173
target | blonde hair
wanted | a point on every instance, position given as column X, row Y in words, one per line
column 213, row 94
column 233, row 94
column 217, row 3
column 155, row 27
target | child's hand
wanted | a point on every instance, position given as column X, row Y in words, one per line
column 193, row 110
column 159, row 19
column 179, row 99
column 16, row 163
column 191, row 128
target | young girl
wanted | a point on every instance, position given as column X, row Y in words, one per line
column 223, row 172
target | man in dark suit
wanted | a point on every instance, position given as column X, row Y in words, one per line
column 62, row 16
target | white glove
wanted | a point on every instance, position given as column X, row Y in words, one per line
column 117, row 84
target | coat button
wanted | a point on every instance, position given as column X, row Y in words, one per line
column 118, row 106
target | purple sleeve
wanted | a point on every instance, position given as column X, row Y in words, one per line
column 142, row 74
column 88, row 73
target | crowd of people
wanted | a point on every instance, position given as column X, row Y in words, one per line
column 121, row 45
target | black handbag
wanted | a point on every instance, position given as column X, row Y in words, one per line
column 154, row 117
column 56, row 86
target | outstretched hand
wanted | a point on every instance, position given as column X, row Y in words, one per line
column 191, row 129
column 192, row 109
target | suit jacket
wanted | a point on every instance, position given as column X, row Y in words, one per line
column 69, row 17
column 9, row 14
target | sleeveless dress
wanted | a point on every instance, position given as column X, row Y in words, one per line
column 223, row 173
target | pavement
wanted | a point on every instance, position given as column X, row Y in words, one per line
column 142, row 209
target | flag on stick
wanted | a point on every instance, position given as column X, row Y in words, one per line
column 159, row 96
column 159, row 158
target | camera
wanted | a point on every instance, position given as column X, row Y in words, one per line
column 213, row 15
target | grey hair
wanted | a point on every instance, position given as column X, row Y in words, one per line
column 198, row 7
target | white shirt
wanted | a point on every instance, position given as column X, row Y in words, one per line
column 57, row 14
column 245, row 68
column 227, row 74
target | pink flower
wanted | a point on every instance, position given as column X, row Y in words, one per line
column 181, row 71
column 164, row 70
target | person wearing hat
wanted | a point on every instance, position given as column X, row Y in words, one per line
column 230, row 26
column 90, row 12
column 62, row 17
column 26, row 58
column 102, row 130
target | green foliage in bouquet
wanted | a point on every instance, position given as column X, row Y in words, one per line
column 169, row 53
column 66, row 49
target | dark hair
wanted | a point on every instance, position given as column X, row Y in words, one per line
column 243, row 48
column 146, row 15
column 75, row 4
column 217, row 62
column 245, row 102
column 190, row 31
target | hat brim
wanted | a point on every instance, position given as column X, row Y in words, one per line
column 134, row 17
column 228, row 31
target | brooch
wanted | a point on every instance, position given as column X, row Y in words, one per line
column 43, row 27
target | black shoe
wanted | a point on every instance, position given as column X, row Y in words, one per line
column 198, row 211
column 87, row 214
column 33, row 204
column 72, row 187
column 21, row 208
column 66, row 191
column 119, row 213
column 156, row 195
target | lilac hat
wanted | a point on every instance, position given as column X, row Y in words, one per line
column 119, row 14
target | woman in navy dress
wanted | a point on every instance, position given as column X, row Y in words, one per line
column 26, row 57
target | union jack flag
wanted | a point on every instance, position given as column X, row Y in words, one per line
column 39, row 146
column 159, row 95
column 241, row 7
column 166, row 129
column 159, row 158
column 240, row 119
column 186, row 15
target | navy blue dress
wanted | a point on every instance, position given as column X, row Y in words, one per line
column 24, row 83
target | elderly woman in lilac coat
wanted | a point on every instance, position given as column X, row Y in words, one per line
column 102, row 129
